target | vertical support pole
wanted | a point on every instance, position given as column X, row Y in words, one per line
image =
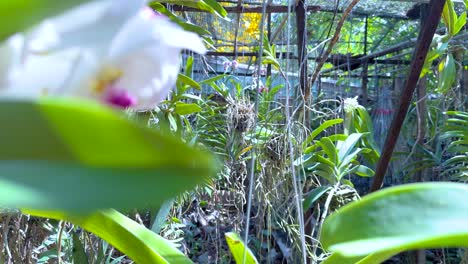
column 302, row 55
column 421, row 103
column 422, row 47
column 236, row 31
column 464, row 85
column 365, row 67
column 420, row 255
column 269, row 39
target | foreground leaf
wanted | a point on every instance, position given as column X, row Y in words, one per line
column 238, row 248
column 413, row 216
column 131, row 238
column 22, row 14
column 63, row 154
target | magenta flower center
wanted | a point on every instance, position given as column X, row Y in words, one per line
column 120, row 98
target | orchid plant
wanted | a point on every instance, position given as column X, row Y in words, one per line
column 117, row 52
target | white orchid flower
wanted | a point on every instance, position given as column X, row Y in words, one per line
column 116, row 51
column 350, row 104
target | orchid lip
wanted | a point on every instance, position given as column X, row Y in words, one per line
column 120, row 98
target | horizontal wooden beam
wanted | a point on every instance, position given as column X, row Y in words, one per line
column 283, row 55
column 248, row 9
column 357, row 76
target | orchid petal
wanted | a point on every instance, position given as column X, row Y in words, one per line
column 34, row 79
column 10, row 57
column 149, row 74
column 90, row 25
column 65, row 73
column 143, row 30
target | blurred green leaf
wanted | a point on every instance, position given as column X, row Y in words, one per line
column 19, row 15
column 187, row 81
column 207, row 5
column 413, row 216
column 237, row 247
column 136, row 241
column 186, row 109
column 181, row 22
column 66, row 154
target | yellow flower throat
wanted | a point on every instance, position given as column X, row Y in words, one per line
column 106, row 77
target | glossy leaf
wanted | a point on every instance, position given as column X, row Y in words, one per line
column 184, row 24
column 66, row 154
column 188, row 81
column 314, row 195
column 447, row 73
column 186, row 109
column 327, row 145
column 136, row 241
column 205, row 5
column 348, row 145
column 363, row 171
column 449, row 16
column 238, row 248
column 320, row 129
column 396, row 219
column 370, row 259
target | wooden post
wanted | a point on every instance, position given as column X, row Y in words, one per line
column 365, row 67
column 464, row 86
column 421, row 103
column 269, row 39
column 302, row 55
column 422, row 47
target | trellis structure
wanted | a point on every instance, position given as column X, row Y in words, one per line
column 375, row 63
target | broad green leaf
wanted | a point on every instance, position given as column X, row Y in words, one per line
column 326, row 174
column 67, row 154
column 370, row 259
column 407, row 217
column 213, row 79
column 363, row 171
column 461, row 22
column 160, row 216
column 199, row 4
column 447, row 73
column 449, row 16
column 314, row 195
column 310, row 149
column 136, row 241
column 186, row 109
column 348, row 145
column 23, row 14
column 237, row 247
column 184, row 24
column 188, row 81
column 320, row 129
column 217, row 7
column 349, row 158
column 323, row 160
column 189, row 66
column 327, row 145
